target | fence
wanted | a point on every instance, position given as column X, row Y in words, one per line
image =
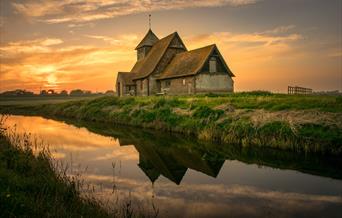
column 298, row 90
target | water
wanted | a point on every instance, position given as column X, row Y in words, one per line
column 186, row 178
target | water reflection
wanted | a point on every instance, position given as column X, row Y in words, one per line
column 171, row 155
column 193, row 179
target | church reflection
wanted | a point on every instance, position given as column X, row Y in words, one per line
column 173, row 161
column 170, row 155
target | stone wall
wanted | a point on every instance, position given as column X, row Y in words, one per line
column 141, row 84
column 175, row 47
column 178, row 86
column 166, row 59
column 213, row 82
column 119, row 86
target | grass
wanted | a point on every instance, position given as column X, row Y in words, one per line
column 40, row 100
column 287, row 122
column 32, row 186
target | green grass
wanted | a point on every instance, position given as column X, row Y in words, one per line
column 41, row 100
column 221, row 118
column 30, row 187
column 33, row 186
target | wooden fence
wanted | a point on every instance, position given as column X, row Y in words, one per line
column 298, row 90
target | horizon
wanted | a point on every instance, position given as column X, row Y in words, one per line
column 62, row 45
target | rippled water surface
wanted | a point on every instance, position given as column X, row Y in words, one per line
column 186, row 178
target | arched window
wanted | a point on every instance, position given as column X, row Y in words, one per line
column 212, row 65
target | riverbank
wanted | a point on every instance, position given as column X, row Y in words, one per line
column 31, row 187
column 295, row 123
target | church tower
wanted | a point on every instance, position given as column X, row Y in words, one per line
column 146, row 43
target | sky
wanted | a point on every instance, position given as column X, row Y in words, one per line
column 268, row 44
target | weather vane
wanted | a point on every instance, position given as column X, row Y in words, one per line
column 149, row 20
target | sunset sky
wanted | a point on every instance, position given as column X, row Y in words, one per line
column 268, row 44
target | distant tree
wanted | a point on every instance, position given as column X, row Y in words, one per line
column 63, row 93
column 87, row 92
column 43, row 92
column 18, row 92
column 76, row 92
column 109, row 92
column 51, row 92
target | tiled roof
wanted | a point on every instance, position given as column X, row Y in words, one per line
column 146, row 65
column 127, row 77
column 149, row 40
column 189, row 63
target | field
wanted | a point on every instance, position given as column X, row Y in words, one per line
column 296, row 123
column 40, row 100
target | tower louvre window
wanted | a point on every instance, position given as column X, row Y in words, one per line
column 212, row 65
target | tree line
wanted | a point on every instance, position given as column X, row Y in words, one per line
column 51, row 92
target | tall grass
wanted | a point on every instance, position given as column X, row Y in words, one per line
column 33, row 185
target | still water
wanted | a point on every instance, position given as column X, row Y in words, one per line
column 186, row 178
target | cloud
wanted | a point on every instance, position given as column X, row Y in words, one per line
column 2, row 21
column 122, row 40
column 267, row 37
column 55, row 11
column 32, row 64
column 257, row 46
column 216, row 199
column 47, row 62
column 28, row 46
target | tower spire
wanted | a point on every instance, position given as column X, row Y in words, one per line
column 149, row 21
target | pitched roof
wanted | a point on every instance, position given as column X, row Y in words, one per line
column 149, row 40
column 190, row 63
column 146, row 65
column 127, row 77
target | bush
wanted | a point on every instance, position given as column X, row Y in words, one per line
column 204, row 112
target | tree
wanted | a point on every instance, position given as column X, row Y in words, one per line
column 51, row 92
column 63, row 93
column 18, row 92
column 110, row 92
column 87, row 92
column 76, row 92
column 43, row 92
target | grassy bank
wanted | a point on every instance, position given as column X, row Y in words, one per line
column 32, row 186
column 296, row 123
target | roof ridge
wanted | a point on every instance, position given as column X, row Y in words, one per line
column 211, row 45
column 149, row 33
column 168, row 39
column 177, row 66
column 206, row 58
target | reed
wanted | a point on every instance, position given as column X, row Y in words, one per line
column 33, row 185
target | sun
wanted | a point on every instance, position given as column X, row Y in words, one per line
column 52, row 80
column 46, row 69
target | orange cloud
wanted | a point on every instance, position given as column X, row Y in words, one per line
column 36, row 64
column 61, row 11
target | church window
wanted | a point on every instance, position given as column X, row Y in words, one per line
column 167, row 83
column 212, row 65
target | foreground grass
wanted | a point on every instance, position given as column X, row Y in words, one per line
column 30, row 187
column 296, row 123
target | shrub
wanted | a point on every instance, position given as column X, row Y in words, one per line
column 203, row 112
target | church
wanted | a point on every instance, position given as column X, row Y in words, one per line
column 166, row 67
